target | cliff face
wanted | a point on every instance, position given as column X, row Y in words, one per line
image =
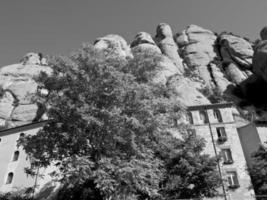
column 17, row 89
column 200, row 65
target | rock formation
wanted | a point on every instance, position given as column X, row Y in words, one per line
column 260, row 56
column 197, row 46
column 164, row 67
column 236, row 49
column 143, row 42
column 17, row 89
column 166, row 71
column 113, row 44
column 198, row 51
column 236, row 54
column 189, row 62
column 167, row 45
column 187, row 91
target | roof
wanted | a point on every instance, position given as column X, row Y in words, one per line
column 22, row 128
column 210, row 106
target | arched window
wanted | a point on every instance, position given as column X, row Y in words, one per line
column 203, row 116
column 9, row 178
column 217, row 115
column 16, row 156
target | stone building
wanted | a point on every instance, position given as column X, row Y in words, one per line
column 14, row 160
column 216, row 124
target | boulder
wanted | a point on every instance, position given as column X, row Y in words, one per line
column 142, row 38
column 161, row 69
column 197, row 45
column 115, row 45
column 25, row 113
column 18, row 85
column 23, row 90
column 143, row 45
column 6, row 105
column 233, row 73
column 236, row 49
column 219, row 78
column 166, row 43
column 143, row 42
column 164, row 70
column 32, row 59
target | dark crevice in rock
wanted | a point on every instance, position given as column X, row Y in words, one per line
column 211, row 75
column 16, row 100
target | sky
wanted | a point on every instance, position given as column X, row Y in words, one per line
column 59, row 27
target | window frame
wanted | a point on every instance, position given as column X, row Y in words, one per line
column 223, row 136
column 189, row 117
column 217, row 115
column 203, row 113
column 234, row 179
column 16, row 155
column 10, row 177
column 227, row 156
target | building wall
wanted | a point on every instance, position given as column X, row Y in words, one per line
column 20, row 180
column 8, row 145
column 262, row 131
column 250, row 140
column 233, row 143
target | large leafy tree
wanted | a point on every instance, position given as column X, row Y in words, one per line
column 258, row 171
column 111, row 131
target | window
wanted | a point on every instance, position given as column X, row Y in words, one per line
column 217, row 115
column 16, row 156
column 232, row 179
column 9, row 178
column 21, row 135
column 203, row 116
column 189, row 118
column 222, row 137
column 227, row 156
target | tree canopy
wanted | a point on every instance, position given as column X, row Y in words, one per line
column 111, row 132
column 258, row 171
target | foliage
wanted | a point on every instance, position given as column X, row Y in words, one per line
column 258, row 171
column 111, row 130
column 190, row 173
column 15, row 196
column 191, row 74
column 213, row 95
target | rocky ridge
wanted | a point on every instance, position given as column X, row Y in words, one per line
column 197, row 63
